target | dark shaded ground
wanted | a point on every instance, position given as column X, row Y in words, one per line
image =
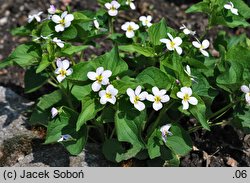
column 223, row 146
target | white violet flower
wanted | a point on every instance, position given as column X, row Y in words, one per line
column 64, row 138
column 130, row 27
column 186, row 30
column 185, row 94
column 35, row 16
column 96, row 24
column 188, row 72
column 246, row 90
column 54, row 112
column 146, row 20
column 108, row 95
column 59, row 42
column 112, row 8
column 165, row 132
column 52, row 10
column 131, row 4
column 230, row 6
column 101, row 77
column 62, row 70
column 158, row 98
column 202, row 46
column 62, row 21
column 136, row 97
column 173, row 43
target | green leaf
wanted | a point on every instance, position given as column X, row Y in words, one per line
column 199, row 7
column 69, row 33
column 239, row 55
column 199, row 112
column 158, row 31
column 80, row 92
column 47, row 28
column 129, row 124
column 137, row 48
column 80, row 71
column 41, row 113
column 110, row 61
column 90, row 107
column 21, row 31
column 34, row 81
column 180, row 143
column 155, row 77
column 153, row 145
column 241, row 117
column 26, row 54
column 6, row 62
column 43, row 64
column 232, row 78
column 123, row 84
column 81, row 16
column 111, row 148
column 71, row 50
column 64, row 124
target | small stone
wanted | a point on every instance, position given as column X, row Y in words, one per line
column 3, row 21
column 232, row 162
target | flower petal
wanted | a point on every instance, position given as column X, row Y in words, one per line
column 92, row 75
column 99, row 71
column 193, row 101
column 139, row 105
column 228, row 6
column 65, row 64
column 165, row 98
column 56, row 19
column 142, row 18
column 96, row 86
column 69, row 71
column 69, row 18
column 112, row 100
column 166, row 41
column 157, row 106
column 115, row 4
column 178, row 50
column 105, row 81
column 132, row 6
column 108, row 5
column 138, row 90
column 102, row 93
column 245, row 89
column 234, row 11
column 180, row 95
column 112, row 12
column 185, row 105
column 177, row 41
column 205, row 44
column 205, row 53
column 149, row 18
column 125, row 26
column 130, row 34
column 170, row 36
column 150, row 98
column 156, row 91
column 106, row 73
column 130, row 93
column 103, row 100
column 60, row 78
column 59, row 28
column 196, row 44
column 143, row 95
column 186, row 90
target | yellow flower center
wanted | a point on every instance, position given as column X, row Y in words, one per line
column 130, row 28
column 108, row 95
column 172, row 44
column 186, row 97
column 62, row 22
column 249, row 94
column 112, row 8
column 99, row 78
column 136, row 99
column 157, row 99
column 63, row 72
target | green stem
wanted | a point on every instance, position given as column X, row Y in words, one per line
column 223, row 110
column 210, row 124
column 111, row 25
column 68, row 98
column 52, row 83
column 159, row 118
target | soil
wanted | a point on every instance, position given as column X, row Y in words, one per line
column 223, row 146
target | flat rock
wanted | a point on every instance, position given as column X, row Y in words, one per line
column 22, row 147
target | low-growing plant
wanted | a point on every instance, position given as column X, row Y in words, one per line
column 132, row 98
